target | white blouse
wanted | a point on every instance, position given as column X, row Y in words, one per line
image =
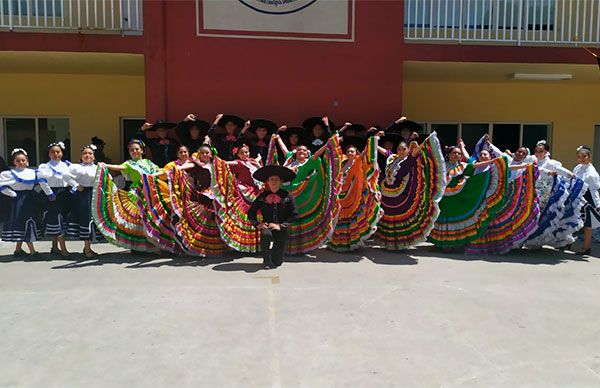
column 588, row 174
column 18, row 179
column 81, row 175
column 551, row 165
column 51, row 175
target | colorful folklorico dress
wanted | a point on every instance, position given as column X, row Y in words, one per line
column 411, row 191
column 518, row 217
column 194, row 218
column 359, row 201
column 18, row 185
column 158, row 210
column 315, row 190
column 118, row 214
column 561, row 201
column 471, row 200
column 54, row 185
column 235, row 190
column 81, row 177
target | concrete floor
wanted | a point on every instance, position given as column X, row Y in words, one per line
column 369, row 319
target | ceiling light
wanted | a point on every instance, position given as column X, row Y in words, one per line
column 541, row 77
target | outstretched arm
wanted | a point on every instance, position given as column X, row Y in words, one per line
column 346, row 125
column 483, row 164
column 280, row 142
column 379, row 134
column 185, row 166
column 463, row 149
column 519, row 166
column 393, row 125
column 247, row 125
column 114, row 167
column 418, row 149
column 159, row 174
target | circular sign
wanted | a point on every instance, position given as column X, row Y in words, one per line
column 277, row 7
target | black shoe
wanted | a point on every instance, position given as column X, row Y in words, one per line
column 566, row 247
column 268, row 265
column 35, row 256
column 20, row 253
column 55, row 251
column 584, row 252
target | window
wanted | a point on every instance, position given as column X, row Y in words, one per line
column 504, row 135
column 539, row 16
column 532, row 133
column 471, row 133
column 35, row 7
column 34, row 134
column 478, row 14
column 447, row 133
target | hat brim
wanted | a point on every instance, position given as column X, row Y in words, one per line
column 301, row 132
column 356, row 141
column 310, row 122
column 263, row 123
column 233, row 118
column 162, row 124
column 412, row 126
column 202, row 125
column 264, row 173
column 393, row 137
column 357, row 128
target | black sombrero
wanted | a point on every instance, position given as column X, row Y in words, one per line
column 358, row 129
column 412, row 126
column 310, row 122
column 237, row 120
column 301, row 132
column 356, row 141
column 390, row 136
column 263, row 173
column 263, row 123
column 162, row 124
column 203, row 126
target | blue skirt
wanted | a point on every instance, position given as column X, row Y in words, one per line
column 21, row 225
column 56, row 212
column 81, row 225
column 591, row 217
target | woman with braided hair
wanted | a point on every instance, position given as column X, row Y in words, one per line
column 412, row 186
column 474, row 193
column 55, row 186
column 518, row 217
column 360, row 197
column 586, row 171
column 80, row 177
column 17, row 184
column 561, row 200
column 118, row 214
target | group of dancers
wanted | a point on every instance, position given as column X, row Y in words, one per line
column 251, row 186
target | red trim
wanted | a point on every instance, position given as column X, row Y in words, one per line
column 495, row 54
column 346, row 36
column 71, row 42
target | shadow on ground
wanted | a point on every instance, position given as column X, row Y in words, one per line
column 228, row 262
column 543, row 256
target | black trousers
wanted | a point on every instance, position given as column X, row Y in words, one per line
column 273, row 257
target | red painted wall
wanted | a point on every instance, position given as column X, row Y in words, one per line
column 284, row 80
